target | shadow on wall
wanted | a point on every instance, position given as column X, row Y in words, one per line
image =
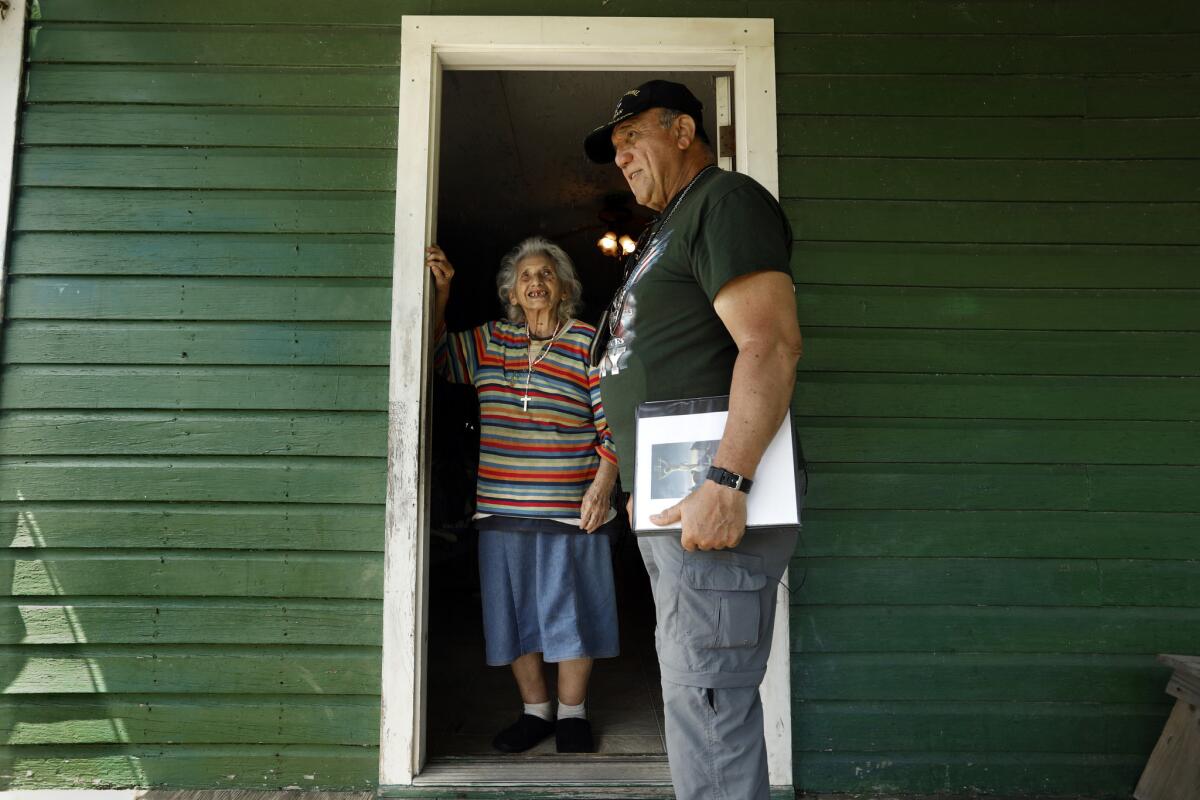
column 30, row 719
column 111, row 690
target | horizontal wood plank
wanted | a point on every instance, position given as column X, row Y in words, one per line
column 207, row 168
column 980, row 17
column 208, row 126
column 197, row 84
column 242, row 766
column 1000, row 534
column 987, row 55
column 166, row 254
column 229, row 12
column 992, row 581
column 258, row 388
column 996, row 629
column 942, row 727
column 146, row 671
column 999, row 678
column 1004, row 487
column 932, row 95
column 1151, row 582
column 1006, row 396
column 957, row 136
column 1011, row 266
column 63, row 721
column 1036, row 309
column 200, row 298
column 1013, row 352
column 1014, row 774
column 292, row 45
column 989, row 95
column 1020, row 180
column 1025, row 223
column 192, row 573
column 196, row 621
column 110, row 342
column 996, row 441
column 215, row 211
column 347, row 433
column 112, row 526
column 265, row 479
column 1145, row 488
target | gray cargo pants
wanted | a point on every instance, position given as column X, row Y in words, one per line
column 715, row 612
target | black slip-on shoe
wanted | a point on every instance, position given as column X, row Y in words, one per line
column 574, row 735
column 523, row 734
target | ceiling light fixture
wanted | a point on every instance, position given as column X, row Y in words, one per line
column 610, row 245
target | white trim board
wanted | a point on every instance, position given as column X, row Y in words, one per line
column 12, row 49
column 430, row 45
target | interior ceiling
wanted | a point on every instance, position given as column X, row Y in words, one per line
column 512, row 165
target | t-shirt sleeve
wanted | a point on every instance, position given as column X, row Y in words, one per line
column 745, row 231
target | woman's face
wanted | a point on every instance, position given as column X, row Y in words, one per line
column 537, row 287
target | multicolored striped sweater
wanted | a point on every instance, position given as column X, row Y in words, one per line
column 535, row 462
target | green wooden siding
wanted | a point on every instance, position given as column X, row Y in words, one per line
column 997, row 209
column 192, row 414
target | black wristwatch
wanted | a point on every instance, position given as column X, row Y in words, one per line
column 731, row 479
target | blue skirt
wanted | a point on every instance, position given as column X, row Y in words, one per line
column 546, row 592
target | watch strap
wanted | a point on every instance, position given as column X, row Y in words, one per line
column 731, row 479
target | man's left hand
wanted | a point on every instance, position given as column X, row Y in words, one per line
column 713, row 517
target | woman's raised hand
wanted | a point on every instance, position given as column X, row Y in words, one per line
column 442, row 269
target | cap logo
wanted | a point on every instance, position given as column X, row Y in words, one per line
column 621, row 103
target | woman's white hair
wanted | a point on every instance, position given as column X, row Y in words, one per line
column 572, row 289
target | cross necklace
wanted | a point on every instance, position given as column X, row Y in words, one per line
column 533, row 362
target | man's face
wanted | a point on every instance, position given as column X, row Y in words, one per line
column 649, row 156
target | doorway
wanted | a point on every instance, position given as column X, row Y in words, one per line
column 510, row 66
column 513, row 167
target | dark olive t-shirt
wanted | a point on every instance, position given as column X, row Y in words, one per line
column 668, row 343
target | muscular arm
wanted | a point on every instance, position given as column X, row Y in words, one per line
column 759, row 310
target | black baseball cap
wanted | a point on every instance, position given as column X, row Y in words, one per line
column 651, row 94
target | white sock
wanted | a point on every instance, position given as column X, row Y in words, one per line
column 567, row 711
column 539, row 710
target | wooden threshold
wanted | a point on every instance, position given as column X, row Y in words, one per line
column 608, row 777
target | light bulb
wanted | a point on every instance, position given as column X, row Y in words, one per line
column 608, row 244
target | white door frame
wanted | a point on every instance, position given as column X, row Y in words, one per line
column 12, row 49
column 430, row 45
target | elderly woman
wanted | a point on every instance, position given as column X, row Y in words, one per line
column 547, row 465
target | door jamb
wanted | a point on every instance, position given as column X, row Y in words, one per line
column 12, row 49
column 431, row 44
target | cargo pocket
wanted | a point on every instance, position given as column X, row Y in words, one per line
column 718, row 600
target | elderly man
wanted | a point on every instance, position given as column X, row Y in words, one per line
column 707, row 308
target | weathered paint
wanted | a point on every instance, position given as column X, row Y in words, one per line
column 996, row 207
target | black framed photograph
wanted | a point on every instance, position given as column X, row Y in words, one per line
column 676, row 444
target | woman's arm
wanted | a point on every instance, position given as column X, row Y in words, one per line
column 598, row 499
column 455, row 355
column 443, row 273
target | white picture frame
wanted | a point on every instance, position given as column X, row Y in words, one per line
column 676, row 442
